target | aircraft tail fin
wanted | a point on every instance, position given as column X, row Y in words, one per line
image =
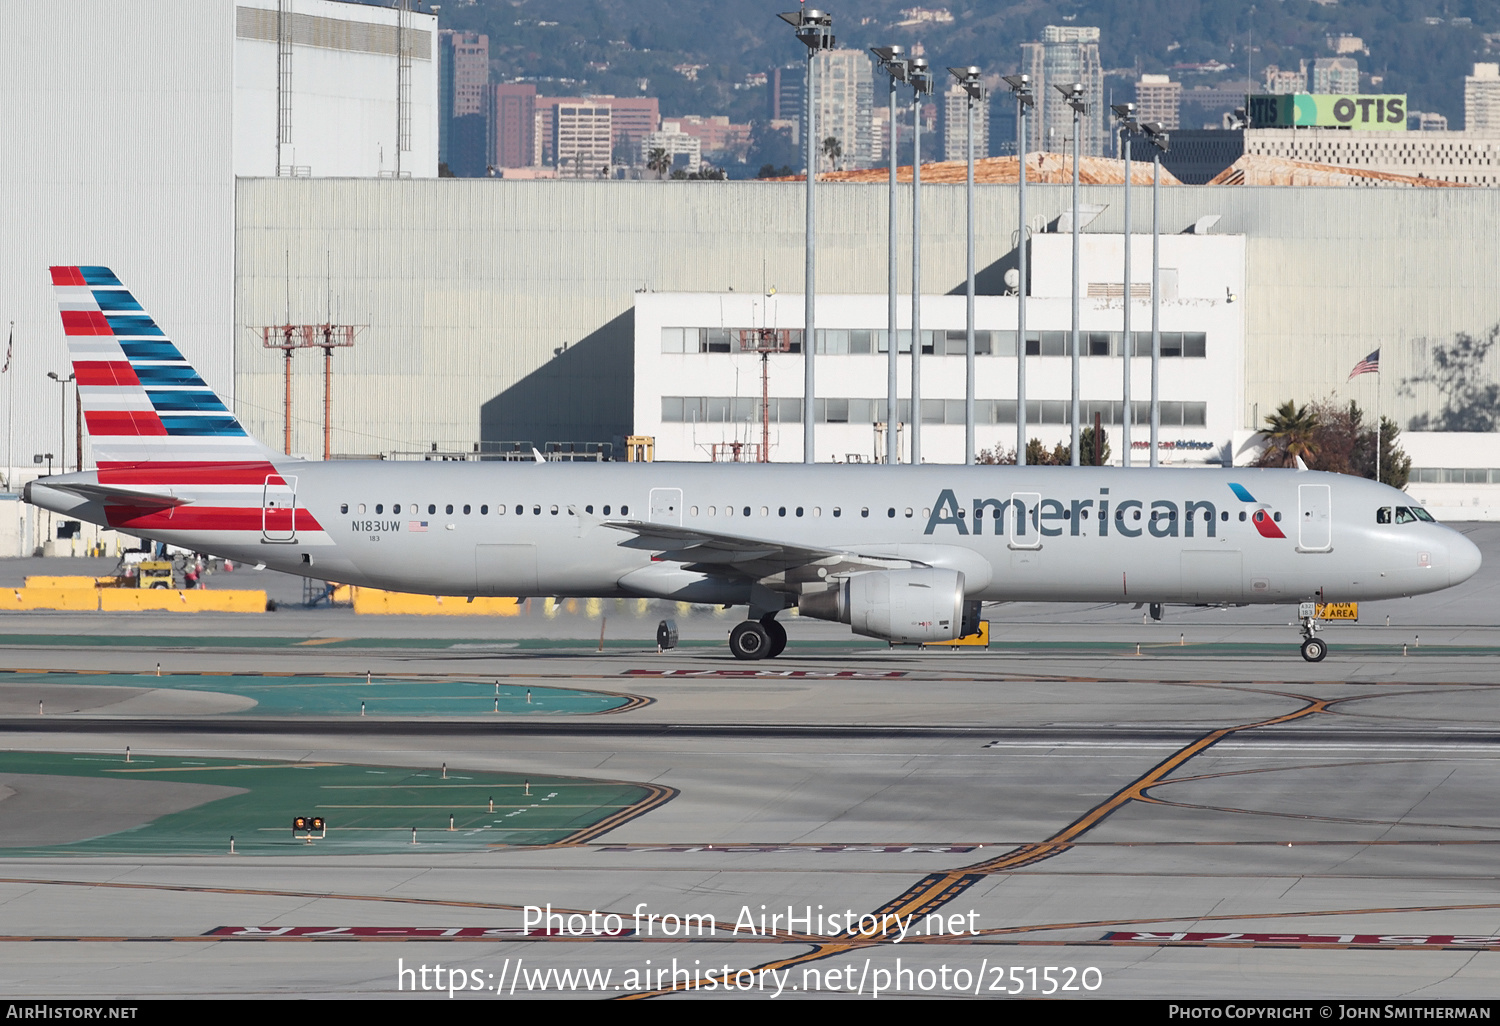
column 146, row 407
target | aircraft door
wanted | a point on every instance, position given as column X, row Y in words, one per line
column 1314, row 518
column 278, row 522
column 1021, row 521
column 666, row 506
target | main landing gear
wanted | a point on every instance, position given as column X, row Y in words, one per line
column 1314, row 648
column 758, row 639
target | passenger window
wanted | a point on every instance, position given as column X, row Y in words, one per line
column 343, row 507
column 484, row 511
column 891, row 512
column 712, row 510
column 431, row 508
column 500, row 510
column 864, row 511
column 1242, row 516
column 817, row 511
column 624, row 511
column 606, row 510
column 536, row 511
column 1222, row 516
column 554, row 511
column 781, row 512
column 836, row 512
column 765, row 511
column 1276, row 516
column 692, row 511
column 799, row 511
column 588, row 509
column 396, row 507
column 1383, row 515
column 361, row 507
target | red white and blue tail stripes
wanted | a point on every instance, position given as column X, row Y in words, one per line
column 142, row 400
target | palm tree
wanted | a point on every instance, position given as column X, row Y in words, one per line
column 1291, row 432
column 659, row 162
column 833, row 150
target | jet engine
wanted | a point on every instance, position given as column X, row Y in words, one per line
column 906, row 606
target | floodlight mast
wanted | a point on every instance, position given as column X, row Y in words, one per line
column 1020, row 86
column 920, row 77
column 969, row 79
column 1156, row 134
column 815, row 30
column 894, row 62
column 1125, row 114
column 1073, row 96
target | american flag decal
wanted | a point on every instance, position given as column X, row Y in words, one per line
column 1369, row 365
column 416, row 526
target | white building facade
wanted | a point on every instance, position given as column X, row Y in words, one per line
column 699, row 381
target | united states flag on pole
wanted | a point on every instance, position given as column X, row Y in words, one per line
column 1369, row 365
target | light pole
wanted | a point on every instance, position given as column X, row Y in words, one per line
column 62, row 421
column 1020, row 85
column 1073, row 96
column 815, row 29
column 37, row 458
column 969, row 79
column 1125, row 113
column 1159, row 139
column 920, row 77
column 894, row 63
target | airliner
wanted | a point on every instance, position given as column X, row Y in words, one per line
column 906, row 554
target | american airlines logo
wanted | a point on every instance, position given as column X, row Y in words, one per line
column 1030, row 515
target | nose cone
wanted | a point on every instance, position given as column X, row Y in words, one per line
column 1463, row 559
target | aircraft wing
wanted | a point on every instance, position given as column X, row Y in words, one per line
column 691, row 545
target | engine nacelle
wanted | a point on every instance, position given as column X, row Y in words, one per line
column 907, row 606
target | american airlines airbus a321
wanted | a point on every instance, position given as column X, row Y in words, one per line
column 906, row 554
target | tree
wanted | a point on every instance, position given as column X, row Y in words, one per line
column 833, row 150
column 658, row 161
column 1037, row 454
column 998, row 456
column 772, row 171
column 1333, row 436
column 1290, row 433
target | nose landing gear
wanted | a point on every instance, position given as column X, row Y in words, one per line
column 1314, row 648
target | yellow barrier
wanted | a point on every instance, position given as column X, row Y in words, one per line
column 119, row 600
column 71, row 599
column 388, row 603
column 69, row 582
column 982, row 639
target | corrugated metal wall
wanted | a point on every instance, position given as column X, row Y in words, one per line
column 473, row 288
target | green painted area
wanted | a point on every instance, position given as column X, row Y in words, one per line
column 370, row 809
column 344, row 696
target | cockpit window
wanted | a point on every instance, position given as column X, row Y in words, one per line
column 1422, row 514
column 1404, row 515
column 1383, row 515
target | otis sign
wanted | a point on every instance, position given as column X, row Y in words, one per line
column 1385, row 113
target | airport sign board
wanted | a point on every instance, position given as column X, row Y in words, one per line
column 1383, row 113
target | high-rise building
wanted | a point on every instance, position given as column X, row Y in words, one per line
column 1482, row 99
column 514, row 125
column 845, row 94
column 1285, row 83
column 582, row 138
column 464, row 120
column 955, row 114
column 1066, row 54
column 1334, row 75
column 633, row 118
column 1158, row 98
column 682, row 151
column 784, row 93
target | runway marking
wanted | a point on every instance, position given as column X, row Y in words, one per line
column 322, row 641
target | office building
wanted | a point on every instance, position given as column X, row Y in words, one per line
column 1158, row 98
column 1482, row 99
column 1334, row 76
column 955, row 114
column 1066, row 54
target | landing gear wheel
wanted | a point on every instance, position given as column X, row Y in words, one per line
column 1314, row 649
column 777, row 634
column 750, row 640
